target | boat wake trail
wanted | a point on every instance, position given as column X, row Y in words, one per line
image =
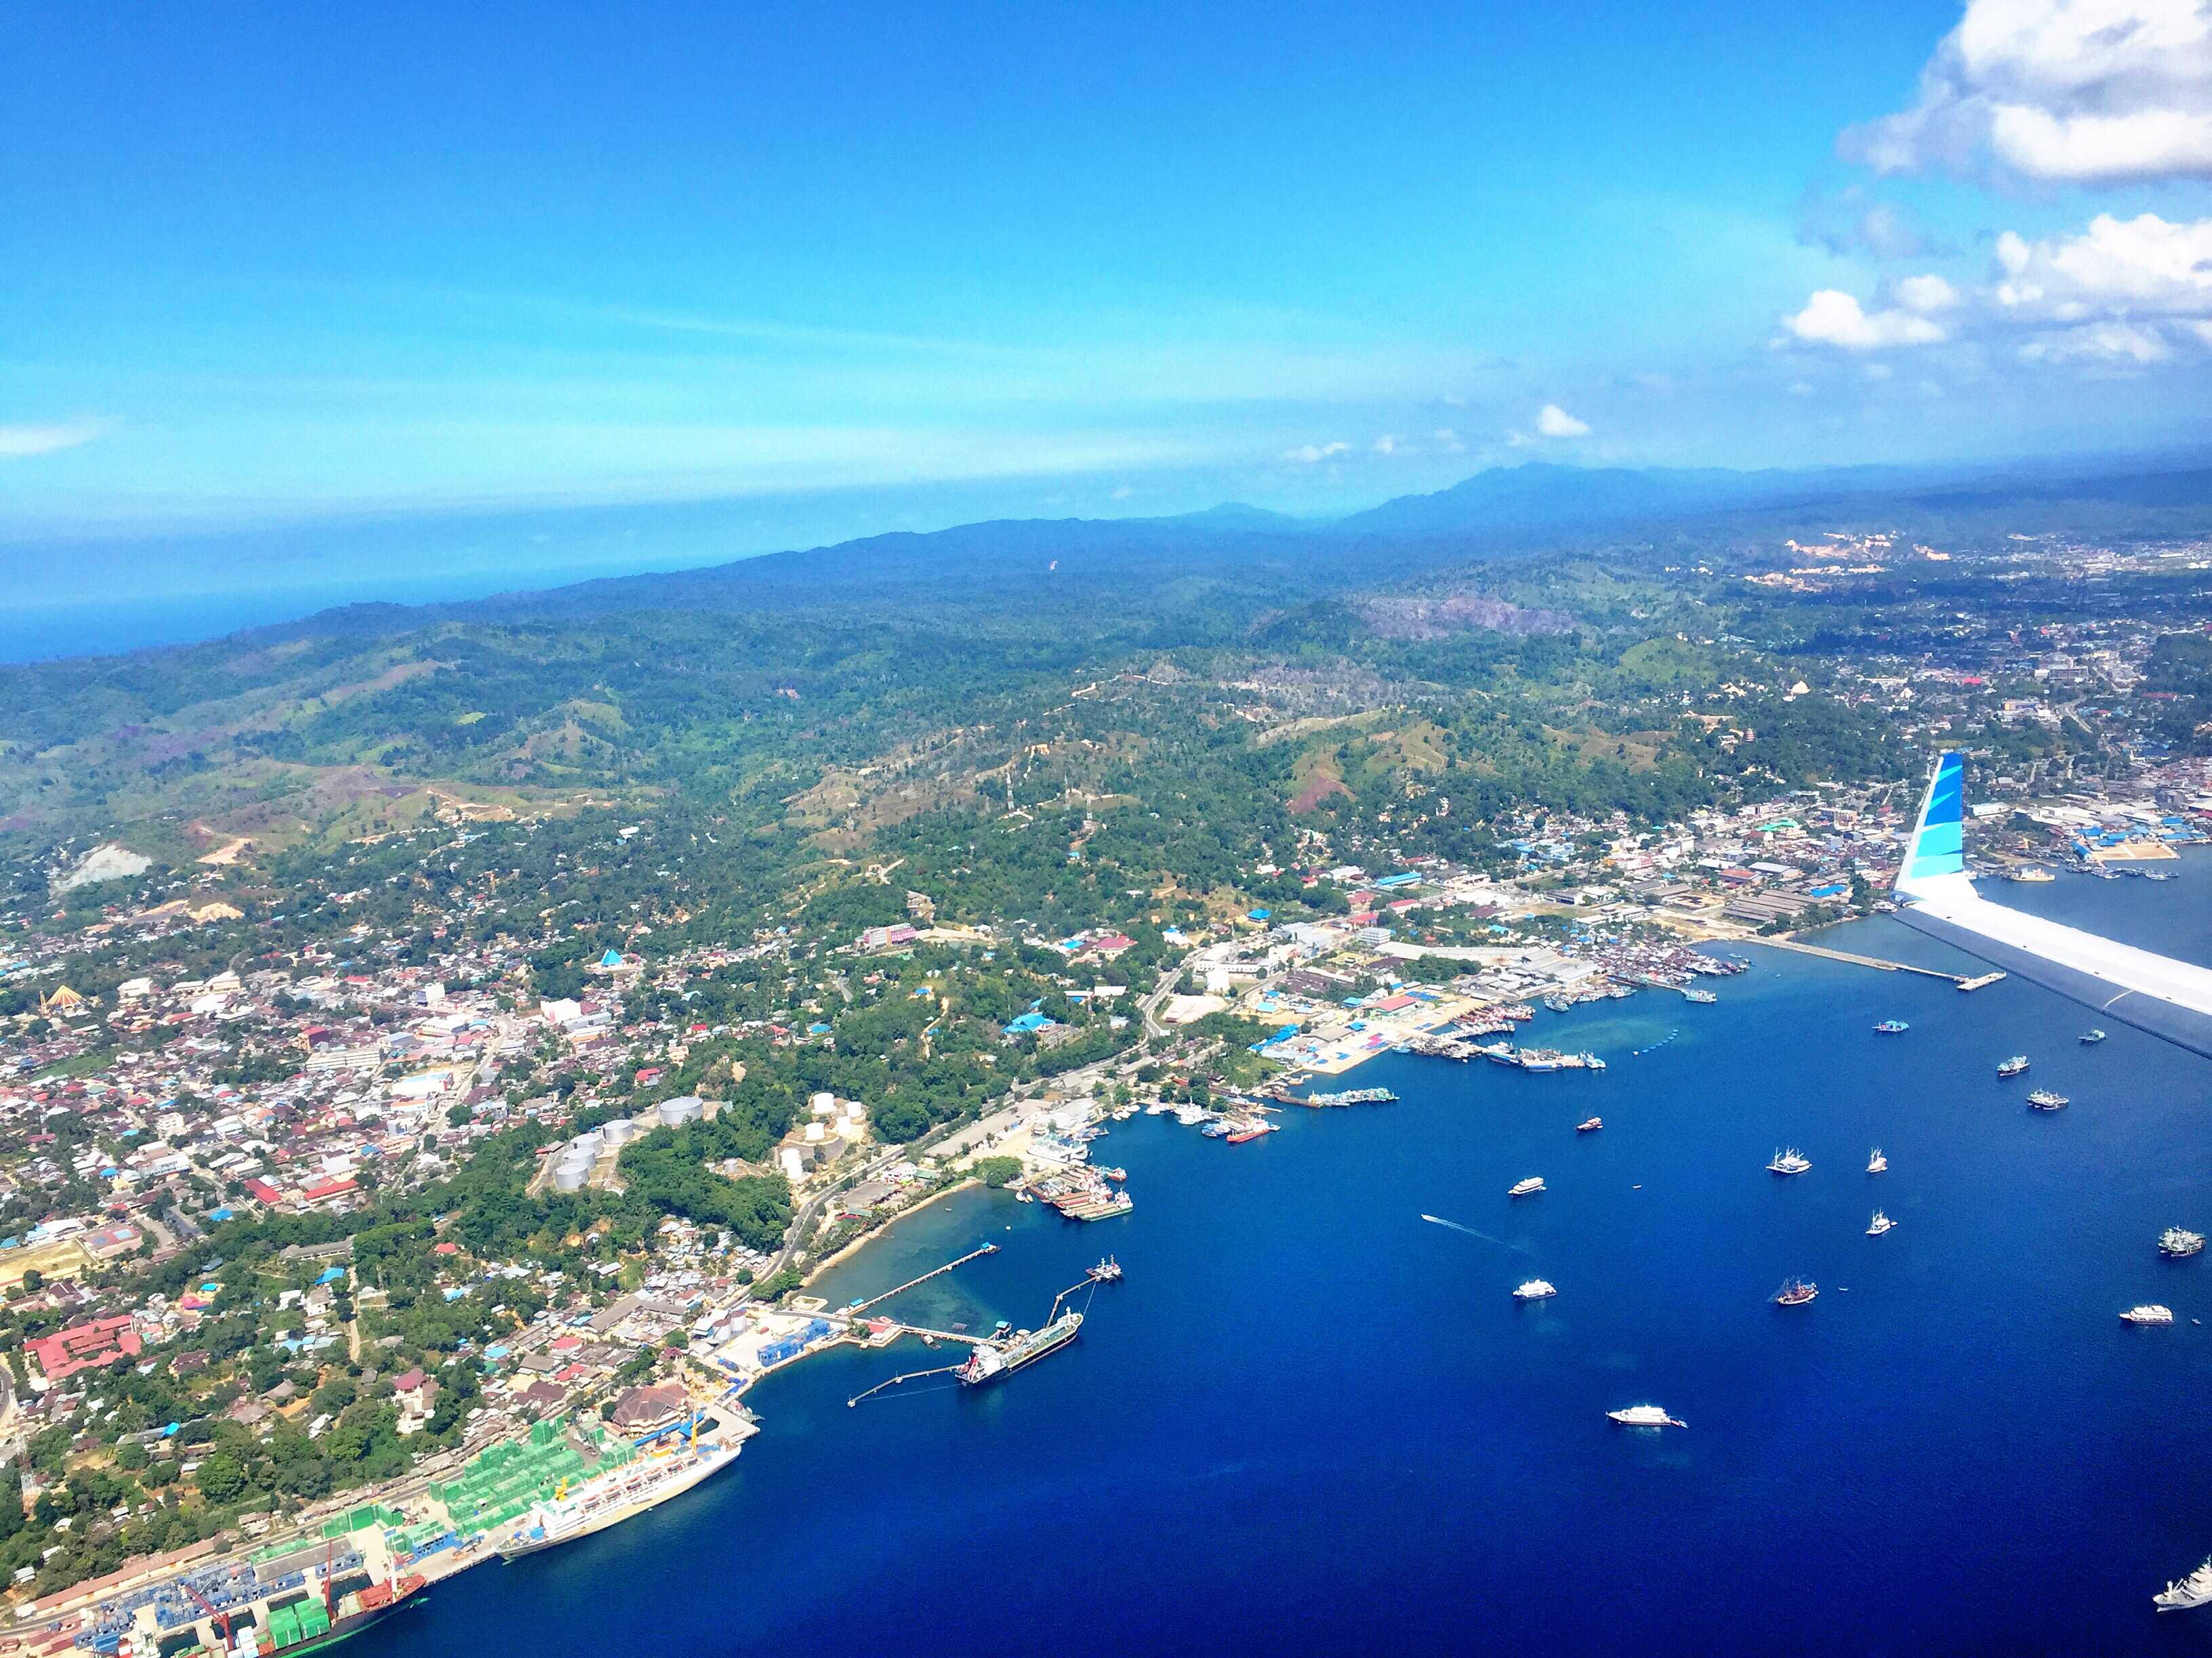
column 1438, row 1220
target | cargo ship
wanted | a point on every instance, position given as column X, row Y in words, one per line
column 619, row 1493
column 293, row 1629
column 990, row 1361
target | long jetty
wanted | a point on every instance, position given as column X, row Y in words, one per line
column 900, row 1288
column 1964, row 981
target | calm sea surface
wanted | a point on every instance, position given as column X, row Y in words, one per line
column 1308, row 1423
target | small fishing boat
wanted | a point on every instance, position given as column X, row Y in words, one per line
column 1877, row 1164
column 2090, row 1038
column 1879, row 1225
column 1796, row 1292
column 1891, row 1028
column 2013, row 1066
column 1589, row 1124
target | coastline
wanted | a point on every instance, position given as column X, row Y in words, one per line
column 847, row 1251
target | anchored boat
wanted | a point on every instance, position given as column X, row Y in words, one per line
column 1645, row 1416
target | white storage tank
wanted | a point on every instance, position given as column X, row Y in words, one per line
column 815, row 1132
column 684, row 1108
column 824, row 1105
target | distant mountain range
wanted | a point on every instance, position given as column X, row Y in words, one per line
column 1500, row 512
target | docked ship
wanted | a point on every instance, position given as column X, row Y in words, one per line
column 1879, row 1225
column 1540, row 1059
column 1354, row 1096
column 581, row 1507
column 2178, row 1242
column 1892, row 1028
column 1645, row 1416
column 2193, row 1590
column 991, row 1360
column 1789, row 1162
column 2148, row 1313
column 1536, row 1288
column 2013, row 1066
column 1527, row 1188
column 2034, row 873
column 301, row 1626
column 1108, row 1271
column 1877, row 1164
column 2046, row 1099
column 1796, row 1292
column 1702, row 998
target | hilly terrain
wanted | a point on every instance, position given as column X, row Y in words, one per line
column 1540, row 616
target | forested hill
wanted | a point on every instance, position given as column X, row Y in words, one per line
column 837, row 690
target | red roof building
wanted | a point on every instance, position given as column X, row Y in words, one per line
column 84, row 1347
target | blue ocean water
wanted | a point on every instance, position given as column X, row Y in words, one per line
column 1308, row 1423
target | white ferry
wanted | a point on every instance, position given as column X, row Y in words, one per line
column 1536, row 1288
column 2149, row 1313
column 1527, row 1188
column 581, row 1506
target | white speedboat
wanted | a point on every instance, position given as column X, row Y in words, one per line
column 1536, row 1288
column 2193, row 1590
column 2149, row 1313
column 1645, row 1416
column 1879, row 1225
column 1791, row 1161
column 1877, row 1164
column 1527, row 1188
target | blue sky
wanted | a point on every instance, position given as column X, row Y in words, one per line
column 875, row 267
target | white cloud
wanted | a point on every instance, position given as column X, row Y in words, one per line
column 17, row 442
column 2098, row 343
column 1925, row 294
column 1554, row 422
column 1832, row 317
column 1449, row 440
column 1388, row 444
column 1308, row 454
column 2077, row 91
column 2145, row 265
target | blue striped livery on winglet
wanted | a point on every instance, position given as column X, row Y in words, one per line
column 1936, row 848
